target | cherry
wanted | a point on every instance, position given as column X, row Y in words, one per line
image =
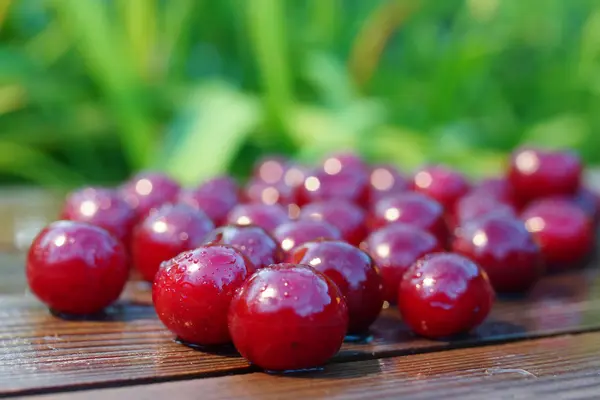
column 102, row 207
column 536, row 173
column 147, row 191
column 395, row 248
column 385, row 180
column 584, row 198
column 413, row 209
column 295, row 233
column 562, row 230
column 442, row 184
column 252, row 241
column 499, row 189
column 76, row 268
column 165, row 233
column 288, row 317
column 477, row 204
column 444, row 294
column 192, row 292
column 216, row 197
column 258, row 191
column 349, row 218
column 353, row 272
column 342, row 177
column 267, row 216
column 271, row 169
column 502, row 246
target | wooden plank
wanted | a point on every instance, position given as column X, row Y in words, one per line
column 39, row 352
column 560, row 367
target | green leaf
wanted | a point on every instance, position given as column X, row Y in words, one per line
column 209, row 131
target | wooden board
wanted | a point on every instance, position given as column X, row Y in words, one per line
column 559, row 367
column 40, row 352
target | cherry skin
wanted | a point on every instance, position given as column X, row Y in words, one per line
column 412, row 209
column 340, row 177
column 562, row 230
column 477, row 204
column 499, row 189
column 353, row 272
column 295, row 233
column 349, row 218
column 537, row 173
column 442, row 184
column 258, row 191
column 267, row 216
column 444, row 294
column 385, row 180
column 503, row 247
column 192, row 292
column 165, row 233
column 584, row 198
column 252, row 241
column 102, row 207
column 394, row 249
column 147, row 191
column 270, row 169
column 215, row 197
column 76, row 268
column 288, row 317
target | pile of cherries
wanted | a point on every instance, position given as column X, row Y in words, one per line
column 289, row 265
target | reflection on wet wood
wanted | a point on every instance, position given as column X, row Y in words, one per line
column 129, row 345
column 558, row 367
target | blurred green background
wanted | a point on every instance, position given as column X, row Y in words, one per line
column 91, row 90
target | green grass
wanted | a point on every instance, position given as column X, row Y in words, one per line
column 93, row 90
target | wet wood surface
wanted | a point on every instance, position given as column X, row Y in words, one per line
column 129, row 348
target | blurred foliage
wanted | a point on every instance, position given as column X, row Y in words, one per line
column 91, row 90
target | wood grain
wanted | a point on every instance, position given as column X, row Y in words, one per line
column 40, row 352
column 559, row 367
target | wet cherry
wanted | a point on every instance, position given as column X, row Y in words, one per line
column 353, row 272
column 165, row 233
column 477, row 204
column 295, row 233
column 76, row 268
column 499, row 189
column 385, row 180
column 441, row 183
column 537, row 173
column 252, row 241
column 147, row 191
column 502, row 246
column 288, row 317
column 267, row 216
column 395, row 248
column 102, row 207
column 562, row 230
column 215, row 197
column 412, row 209
column 258, row 191
column 349, row 218
column 192, row 292
column 444, row 294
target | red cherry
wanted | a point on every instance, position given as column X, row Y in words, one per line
column 585, row 199
column 342, row 177
column 258, row 191
column 271, row 169
column 147, row 191
column 349, row 218
column 395, row 248
column 385, row 180
column 216, row 197
column 536, row 173
column 101, row 207
column 444, row 294
column 499, row 189
column 267, row 216
column 295, row 233
column 353, row 272
column 192, row 292
column 442, row 184
column 502, row 246
column 252, row 241
column 563, row 232
column 288, row 317
column 477, row 204
column 165, row 233
column 76, row 268
column 412, row 209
